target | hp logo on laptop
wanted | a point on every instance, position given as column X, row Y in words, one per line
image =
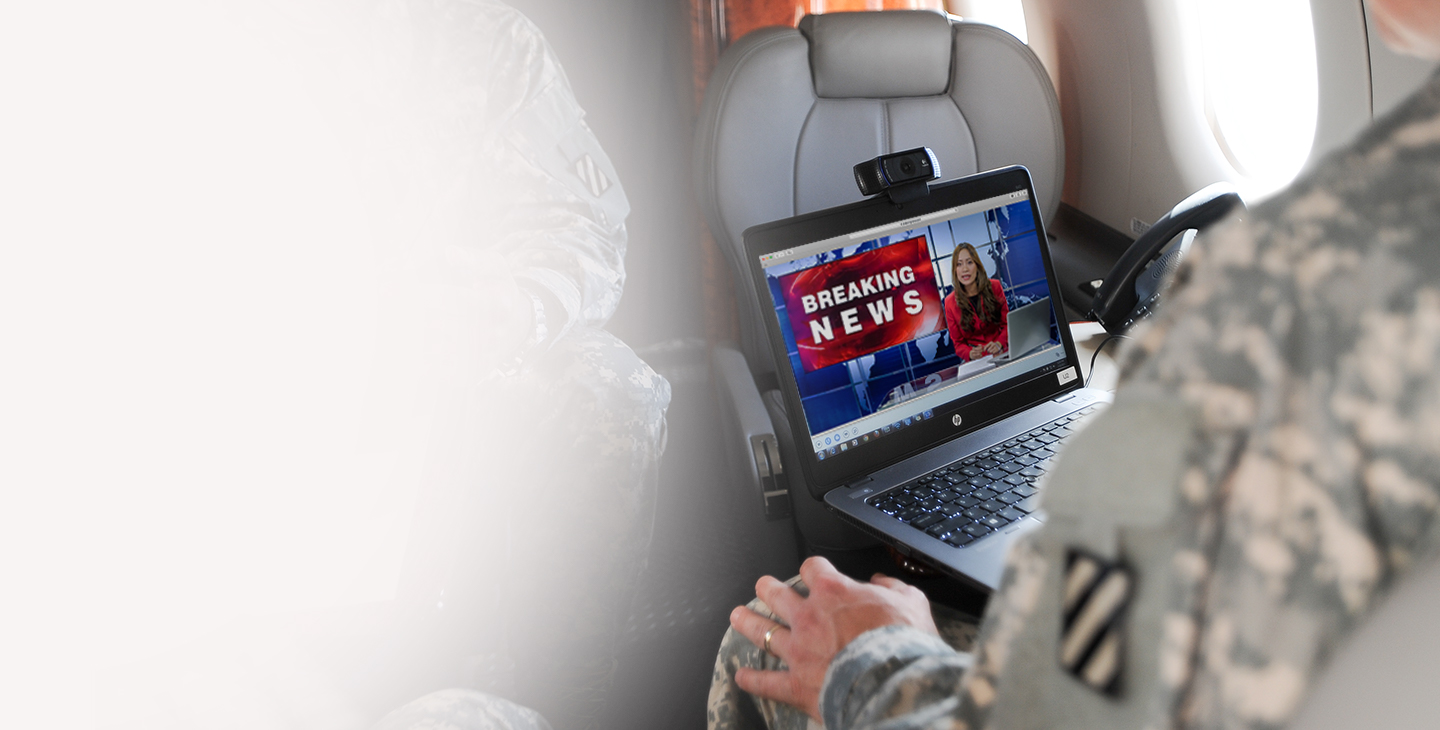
column 955, row 419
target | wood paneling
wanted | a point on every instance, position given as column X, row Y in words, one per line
column 743, row 16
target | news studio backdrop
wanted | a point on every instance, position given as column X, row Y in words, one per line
column 864, row 324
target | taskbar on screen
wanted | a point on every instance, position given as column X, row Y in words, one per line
column 844, row 439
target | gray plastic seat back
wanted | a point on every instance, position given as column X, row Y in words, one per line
column 789, row 112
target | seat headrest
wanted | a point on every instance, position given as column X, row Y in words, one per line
column 879, row 55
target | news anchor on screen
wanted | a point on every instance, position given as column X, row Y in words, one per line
column 975, row 311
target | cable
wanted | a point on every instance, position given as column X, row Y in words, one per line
column 1100, row 347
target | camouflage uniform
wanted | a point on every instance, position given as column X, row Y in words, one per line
column 462, row 709
column 536, row 458
column 1279, row 427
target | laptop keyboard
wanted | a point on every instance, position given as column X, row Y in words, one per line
column 982, row 493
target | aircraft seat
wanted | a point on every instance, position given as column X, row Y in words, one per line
column 788, row 112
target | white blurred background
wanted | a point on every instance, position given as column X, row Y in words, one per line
column 216, row 384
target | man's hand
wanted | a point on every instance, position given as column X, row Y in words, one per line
column 836, row 612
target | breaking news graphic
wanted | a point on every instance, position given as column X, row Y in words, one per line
column 858, row 305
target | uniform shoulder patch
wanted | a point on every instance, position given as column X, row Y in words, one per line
column 1092, row 638
column 591, row 175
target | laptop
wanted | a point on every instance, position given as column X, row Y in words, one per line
column 1027, row 330
column 938, row 457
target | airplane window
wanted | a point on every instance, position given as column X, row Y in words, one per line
column 1008, row 15
column 1261, row 89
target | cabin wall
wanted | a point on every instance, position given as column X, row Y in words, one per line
column 1135, row 132
column 1120, row 164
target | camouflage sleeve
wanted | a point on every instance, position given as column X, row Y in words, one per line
column 1293, row 381
column 565, row 236
column 1268, row 472
column 534, row 185
column 462, row 709
column 894, row 677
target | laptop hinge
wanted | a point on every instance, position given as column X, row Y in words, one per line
column 860, row 488
column 858, row 483
column 774, row 487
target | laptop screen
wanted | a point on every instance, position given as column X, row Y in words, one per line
column 886, row 326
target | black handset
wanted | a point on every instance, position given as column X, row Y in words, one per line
column 1117, row 305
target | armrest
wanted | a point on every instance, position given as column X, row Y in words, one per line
column 749, row 433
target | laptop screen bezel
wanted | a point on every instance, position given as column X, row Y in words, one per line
column 978, row 409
